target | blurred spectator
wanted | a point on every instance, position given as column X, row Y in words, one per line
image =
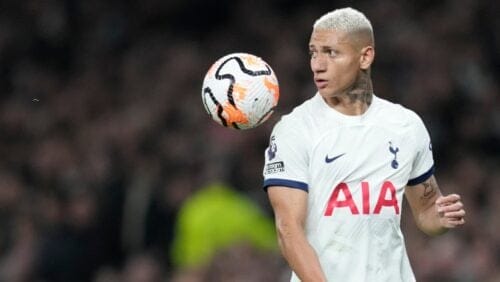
column 217, row 217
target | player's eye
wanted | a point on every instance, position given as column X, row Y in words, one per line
column 332, row 53
column 312, row 53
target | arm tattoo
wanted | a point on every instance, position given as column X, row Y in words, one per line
column 362, row 89
column 430, row 189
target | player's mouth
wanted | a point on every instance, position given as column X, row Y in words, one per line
column 320, row 83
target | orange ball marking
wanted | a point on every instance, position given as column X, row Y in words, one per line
column 273, row 87
column 233, row 115
column 251, row 60
column 239, row 91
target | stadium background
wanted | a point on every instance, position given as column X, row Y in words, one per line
column 103, row 137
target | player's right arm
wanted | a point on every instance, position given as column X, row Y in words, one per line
column 290, row 209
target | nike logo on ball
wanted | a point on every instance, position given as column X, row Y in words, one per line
column 329, row 160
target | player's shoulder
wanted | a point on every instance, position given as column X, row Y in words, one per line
column 299, row 119
column 396, row 112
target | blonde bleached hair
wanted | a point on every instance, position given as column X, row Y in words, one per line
column 348, row 20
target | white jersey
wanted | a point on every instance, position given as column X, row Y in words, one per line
column 355, row 169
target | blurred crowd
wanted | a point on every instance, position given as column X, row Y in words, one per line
column 103, row 135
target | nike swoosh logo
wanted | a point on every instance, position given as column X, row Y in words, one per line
column 329, row 160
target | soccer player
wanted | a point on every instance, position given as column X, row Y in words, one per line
column 338, row 165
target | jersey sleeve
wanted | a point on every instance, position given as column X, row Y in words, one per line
column 286, row 160
column 423, row 163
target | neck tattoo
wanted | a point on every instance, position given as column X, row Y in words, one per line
column 362, row 89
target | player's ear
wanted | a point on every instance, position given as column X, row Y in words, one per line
column 367, row 57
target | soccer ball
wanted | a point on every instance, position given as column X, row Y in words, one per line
column 240, row 91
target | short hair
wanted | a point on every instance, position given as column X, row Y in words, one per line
column 348, row 20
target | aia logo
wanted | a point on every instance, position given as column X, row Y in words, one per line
column 386, row 199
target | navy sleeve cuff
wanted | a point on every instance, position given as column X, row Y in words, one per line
column 285, row 183
column 421, row 178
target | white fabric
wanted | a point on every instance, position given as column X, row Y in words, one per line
column 388, row 146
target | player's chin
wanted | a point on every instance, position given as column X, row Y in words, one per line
column 326, row 92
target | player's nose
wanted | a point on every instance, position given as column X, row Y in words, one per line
column 318, row 64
